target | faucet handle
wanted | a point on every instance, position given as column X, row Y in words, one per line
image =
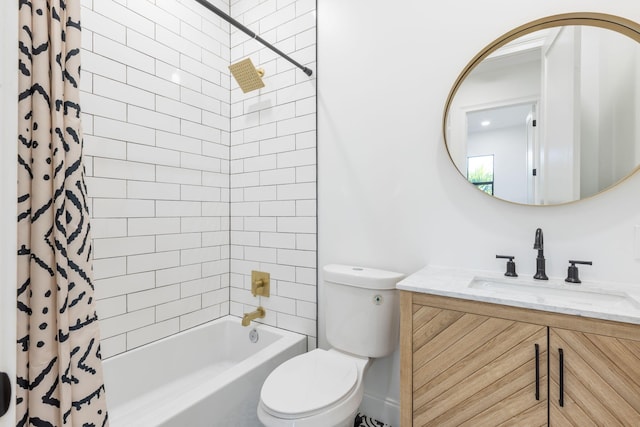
column 511, row 266
column 572, row 271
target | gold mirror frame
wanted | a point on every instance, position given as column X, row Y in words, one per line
column 601, row 20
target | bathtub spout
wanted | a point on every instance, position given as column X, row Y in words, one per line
column 259, row 313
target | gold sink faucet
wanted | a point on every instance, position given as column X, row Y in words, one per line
column 259, row 313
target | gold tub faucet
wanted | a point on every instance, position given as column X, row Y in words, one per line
column 259, row 313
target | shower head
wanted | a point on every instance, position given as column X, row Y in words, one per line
column 248, row 77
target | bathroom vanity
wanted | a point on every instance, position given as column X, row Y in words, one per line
column 479, row 348
column 487, row 349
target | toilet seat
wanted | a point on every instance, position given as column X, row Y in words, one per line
column 307, row 384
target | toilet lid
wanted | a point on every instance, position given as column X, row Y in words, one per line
column 309, row 382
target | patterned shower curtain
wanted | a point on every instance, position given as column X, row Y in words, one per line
column 58, row 350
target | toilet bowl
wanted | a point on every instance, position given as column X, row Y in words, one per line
column 324, row 388
column 320, row 388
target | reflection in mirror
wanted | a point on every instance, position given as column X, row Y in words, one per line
column 556, row 110
column 480, row 172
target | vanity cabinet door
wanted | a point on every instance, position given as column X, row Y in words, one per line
column 600, row 376
column 477, row 370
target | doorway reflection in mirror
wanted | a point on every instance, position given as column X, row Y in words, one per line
column 563, row 104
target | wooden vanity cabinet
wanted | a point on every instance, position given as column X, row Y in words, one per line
column 601, row 376
column 478, row 364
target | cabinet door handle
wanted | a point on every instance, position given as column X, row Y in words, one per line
column 561, row 357
column 537, row 372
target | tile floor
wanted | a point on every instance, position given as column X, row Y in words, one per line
column 364, row 421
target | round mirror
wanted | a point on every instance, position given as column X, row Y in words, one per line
column 550, row 112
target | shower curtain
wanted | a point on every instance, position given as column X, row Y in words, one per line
column 59, row 373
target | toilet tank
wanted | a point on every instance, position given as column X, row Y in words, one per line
column 362, row 310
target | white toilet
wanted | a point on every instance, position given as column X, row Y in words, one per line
column 323, row 388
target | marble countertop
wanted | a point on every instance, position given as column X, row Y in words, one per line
column 601, row 300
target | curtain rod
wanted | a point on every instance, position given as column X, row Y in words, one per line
column 253, row 35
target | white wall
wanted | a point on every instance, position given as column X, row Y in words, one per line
column 618, row 103
column 156, row 103
column 609, row 107
column 193, row 184
column 388, row 195
column 273, row 166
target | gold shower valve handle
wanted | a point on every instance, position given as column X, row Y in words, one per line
column 258, row 287
column 260, row 284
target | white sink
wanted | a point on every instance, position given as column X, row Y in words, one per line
column 555, row 295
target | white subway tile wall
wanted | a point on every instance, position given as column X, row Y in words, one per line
column 156, row 118
column 192, row 183
column 273, row 165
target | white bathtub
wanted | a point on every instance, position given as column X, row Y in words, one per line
column 210, row 375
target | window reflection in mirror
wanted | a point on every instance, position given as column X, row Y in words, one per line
column 557, row 107
column 480, row 172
